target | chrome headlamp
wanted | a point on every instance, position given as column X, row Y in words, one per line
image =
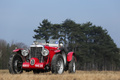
column 45, row 52
column 25, row 52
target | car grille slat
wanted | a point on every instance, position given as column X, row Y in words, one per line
column 36, row 52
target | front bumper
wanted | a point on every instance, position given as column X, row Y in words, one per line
column 27, row 65
column 36, row 65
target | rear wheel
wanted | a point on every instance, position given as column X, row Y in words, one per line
column 57, row 64
column 71, row 66
column 15, row 64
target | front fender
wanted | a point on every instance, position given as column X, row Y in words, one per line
column 57, row 51
column 16, row 50
column 69, row 56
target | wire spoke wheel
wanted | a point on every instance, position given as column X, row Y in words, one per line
column 72, row 67
column 15, row 64
column 60, row 66
column 57, row 64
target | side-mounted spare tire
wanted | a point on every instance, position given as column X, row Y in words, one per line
column 15, row 64
column 71, row 65
column 57, row 64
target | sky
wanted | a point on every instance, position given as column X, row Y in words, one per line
column 18, row 18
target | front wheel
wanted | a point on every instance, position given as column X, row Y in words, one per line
column 71, row 65
column 57, row 64
column 15, row 64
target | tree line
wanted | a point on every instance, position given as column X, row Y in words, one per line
column 94, row 48
column 6, row 50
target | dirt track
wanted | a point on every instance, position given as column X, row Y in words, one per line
column 79, row 75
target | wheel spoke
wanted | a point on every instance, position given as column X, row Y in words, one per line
column 17, row 65
column 60, row 67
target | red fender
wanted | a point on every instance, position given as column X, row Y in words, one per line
column 69, row 56
column 16, row 50
column 57, row 51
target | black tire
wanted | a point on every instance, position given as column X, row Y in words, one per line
column 57, row 64
column 71, row 65
column 36, row 71
column 15, row 64
column 65, row 60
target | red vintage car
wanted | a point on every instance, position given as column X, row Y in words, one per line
column 42, row 57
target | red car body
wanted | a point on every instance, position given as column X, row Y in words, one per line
column 47, row 59
column 42, row 57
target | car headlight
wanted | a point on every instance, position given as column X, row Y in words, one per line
column 45, row 52
column 25, row 52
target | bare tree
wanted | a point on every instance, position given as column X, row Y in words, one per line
column 0, row 53
column 21, row 45
column 3, row 54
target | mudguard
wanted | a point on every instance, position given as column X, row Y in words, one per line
column 69, row 56
column 16, row 50
column 57, row 51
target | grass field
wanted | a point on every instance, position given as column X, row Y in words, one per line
column 79, row 75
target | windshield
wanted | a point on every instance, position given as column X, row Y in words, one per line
column 53, row 41
column 41, row 41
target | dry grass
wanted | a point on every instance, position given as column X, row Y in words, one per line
column 79, row 75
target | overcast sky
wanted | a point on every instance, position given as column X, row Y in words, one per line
column 18, row 18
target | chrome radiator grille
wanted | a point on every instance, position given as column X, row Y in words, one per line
column 36, row 52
